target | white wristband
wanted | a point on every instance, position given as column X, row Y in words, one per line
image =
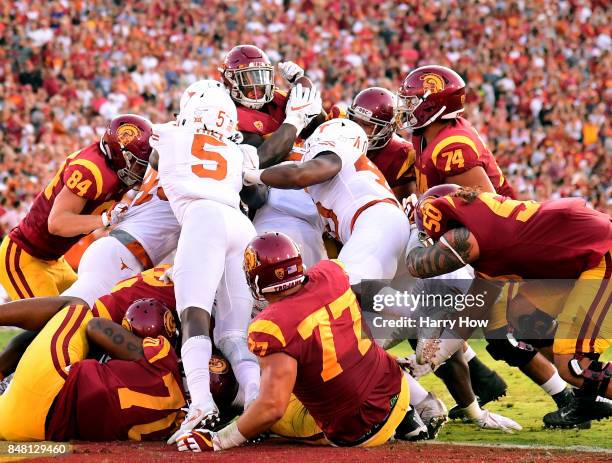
column 473, row 410
column 296, row 121
column 228, row 437
column 413, row 241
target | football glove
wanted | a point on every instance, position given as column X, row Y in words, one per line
column 196, row 440
column 290, row 71
column 409, row 207
column 250, row 159
column 410, row 365
column 303, row 105
column 436, row 351
column 490, row 420
column 114, row 215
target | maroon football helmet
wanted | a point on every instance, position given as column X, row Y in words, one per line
column 434, row 192
column 429, row 93
column 126, row 146
column 223, row 384
column 272, row 263
column 249, row 75
column 150, row 318
column 374, row 110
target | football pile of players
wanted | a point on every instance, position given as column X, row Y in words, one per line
column 230, row 282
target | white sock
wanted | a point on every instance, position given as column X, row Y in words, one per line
column 196, row 353
column 554, row 385
column 248, row 375
column 417, row 392
column 603, row 399
column 473, row 410
column 469, row 354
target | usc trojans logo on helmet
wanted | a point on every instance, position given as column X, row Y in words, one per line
column 258, row 125
column 432, row 83
column 126, row 133
column 169, row 323
column 250, row 259
column 280, row 273
column 218, row 365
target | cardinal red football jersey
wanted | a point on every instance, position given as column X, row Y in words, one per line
column 395, row 160
column 265, row 120
column 554, row 239
column 87, row 175
column 120, row 400
column 456, row 149
column 344, row 379
column 148, row 284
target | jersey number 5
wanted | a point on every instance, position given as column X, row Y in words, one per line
column 199, row 148
column 321, row 320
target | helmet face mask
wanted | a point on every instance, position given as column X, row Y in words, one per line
column 249, row 75
column 134, row 171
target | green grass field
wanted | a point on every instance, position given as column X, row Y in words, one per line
column 525, row 402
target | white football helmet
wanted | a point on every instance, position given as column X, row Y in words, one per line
column 209, row 107
column 339, row 136
column 197, row 86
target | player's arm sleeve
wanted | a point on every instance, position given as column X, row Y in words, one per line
column 265, row 337
column 159, row 352
column 83, row 177
column 456, row 155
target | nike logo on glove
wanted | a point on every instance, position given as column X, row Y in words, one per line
column 297, row 108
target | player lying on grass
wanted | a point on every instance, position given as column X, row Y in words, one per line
column 58, row 393
column 324, row 380
column 558, row 239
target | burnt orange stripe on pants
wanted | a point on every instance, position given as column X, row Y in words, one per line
column 7, row 262
column 587, row 319
column 73, row 329
column 54, row 339
column 604, row 311
column 20, row 274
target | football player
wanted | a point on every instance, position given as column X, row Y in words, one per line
column 78, row 200
column 557, row 239
column 147, row 234
column 324, row 380
column 58, row 394
column 266, row 121
column 450, row 150
column 374, row 110
column 352, row 197
column 200, row 169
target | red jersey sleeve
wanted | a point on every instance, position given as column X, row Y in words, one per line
column 438, row 215
column 84, row 178
column 159, row 353
column 455, row 155
column 267, row 337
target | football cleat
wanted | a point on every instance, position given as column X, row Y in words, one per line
column 412, row 427
column 433, row 413
column 578, row 413
column 206, row 416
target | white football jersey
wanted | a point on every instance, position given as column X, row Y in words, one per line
column 151, row 221
column 359, row 183
column 200, row 165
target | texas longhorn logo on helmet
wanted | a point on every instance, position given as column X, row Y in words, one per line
column 432, row 83
column 126, row 133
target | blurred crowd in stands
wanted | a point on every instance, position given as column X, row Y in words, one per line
column 539, row 74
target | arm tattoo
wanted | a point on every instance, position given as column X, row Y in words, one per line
column 438, row 259
column 117, row 338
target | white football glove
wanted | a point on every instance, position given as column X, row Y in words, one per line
column 252, row 177
column 490, row 420
column 196, row 440
column 290, row 71
column 167, row 276
column 250, row 159
column 114, row 215
column 303, row 105
column 411, row 366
